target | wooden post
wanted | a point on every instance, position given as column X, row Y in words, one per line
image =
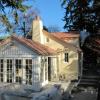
column 14, row 71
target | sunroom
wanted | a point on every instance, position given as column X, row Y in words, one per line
column 23, row 62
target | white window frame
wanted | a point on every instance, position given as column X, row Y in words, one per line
column 12, row 70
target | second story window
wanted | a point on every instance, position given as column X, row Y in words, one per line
column 47, row 39
column 66, row 57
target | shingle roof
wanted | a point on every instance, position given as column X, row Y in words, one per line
column 35, row 46
column 60, row 40
column 66, row 35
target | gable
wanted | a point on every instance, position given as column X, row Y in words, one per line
column 16, row 49
column 54, row 44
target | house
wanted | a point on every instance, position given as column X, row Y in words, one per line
column 45, row 57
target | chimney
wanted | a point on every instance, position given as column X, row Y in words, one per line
column 37, row 28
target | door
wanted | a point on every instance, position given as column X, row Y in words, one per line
column 52, row 68
column 18, row 70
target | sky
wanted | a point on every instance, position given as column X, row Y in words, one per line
column 50, row 12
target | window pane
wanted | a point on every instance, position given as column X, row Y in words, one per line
column 16, row 62
column 66, row 57
column 1, row 65
column 30, row 61
column 19, row 61
column 18, row 65
column 1, row 70
column 11, row 62
column 9, row 71
column 29, row 71
column 1, row 60
column 26, row 61
column 7, row 61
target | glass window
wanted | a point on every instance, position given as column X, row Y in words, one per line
column 66, row 58
column 47, row 39
column 18, row 65
column 29, row 71
column 1, row 70
column 9, row 71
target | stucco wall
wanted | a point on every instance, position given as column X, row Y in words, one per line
column 74, row 41
column 54, row 44
column 67, row 70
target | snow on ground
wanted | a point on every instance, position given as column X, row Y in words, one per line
column 53, row 91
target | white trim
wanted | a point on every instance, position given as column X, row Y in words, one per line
column 5, row 71
column 24, row 74
column 14, row 70
column 39, row 60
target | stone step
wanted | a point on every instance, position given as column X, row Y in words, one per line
column 90, row 77
column 87, row 84
column 89, row 80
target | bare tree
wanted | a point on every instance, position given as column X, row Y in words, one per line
column 25, row 22
column 11, row 7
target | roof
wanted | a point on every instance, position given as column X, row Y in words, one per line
column 66, row 35
column 56, row 37
column 35, row 46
